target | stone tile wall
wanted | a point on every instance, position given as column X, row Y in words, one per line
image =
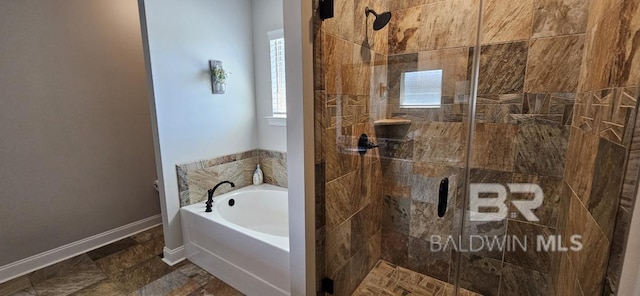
column 350, row 88
column 556, row 107
column 194, row 179
column 274, row 167
column 425, row 35
column 529, row 70
column 602, row 167
column 623, row 216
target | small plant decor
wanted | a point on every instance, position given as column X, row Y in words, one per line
column 219, row 74
column 218, row 77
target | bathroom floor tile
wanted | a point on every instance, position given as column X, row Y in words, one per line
column 218, row 288
column 26, row 292
column 14, row 286
column 130, row 266
column 116, row 263
column 138, row 276
column 172, row 283
column 194, row 272
column 105, row 287
column 112, row 248
column 67, row 277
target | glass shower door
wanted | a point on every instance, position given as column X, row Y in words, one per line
column 431, row 54
column 529, row 69
column 384, row 214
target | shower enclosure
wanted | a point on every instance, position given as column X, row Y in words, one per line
column 506, row 159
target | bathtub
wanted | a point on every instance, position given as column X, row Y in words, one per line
column 247, row 244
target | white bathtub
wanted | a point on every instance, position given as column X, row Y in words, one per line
column 247, row 244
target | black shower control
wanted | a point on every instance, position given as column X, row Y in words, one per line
column 326, row 9
column 442, row 198
column 327, row 286
column 364, row 144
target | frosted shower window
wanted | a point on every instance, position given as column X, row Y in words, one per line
column 421, row 89
column 278, row 84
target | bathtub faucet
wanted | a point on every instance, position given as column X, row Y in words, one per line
column 212, row 190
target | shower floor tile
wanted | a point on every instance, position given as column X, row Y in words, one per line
column 388, row 279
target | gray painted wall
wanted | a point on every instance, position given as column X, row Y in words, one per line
column 76, row 155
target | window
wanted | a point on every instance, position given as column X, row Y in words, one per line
column 421, row 89
column 278, row 84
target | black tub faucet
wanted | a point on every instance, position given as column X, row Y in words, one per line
column 212, row 190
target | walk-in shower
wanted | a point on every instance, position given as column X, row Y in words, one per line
column 500, row 99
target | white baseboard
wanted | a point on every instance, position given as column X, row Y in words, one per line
column 173, row 257
column 35, row 262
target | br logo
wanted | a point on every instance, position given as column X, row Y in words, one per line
column 495, row 207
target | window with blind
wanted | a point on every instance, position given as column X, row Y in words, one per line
column 278, row 84
column 421, row 89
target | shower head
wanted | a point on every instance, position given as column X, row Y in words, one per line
column 381, row 19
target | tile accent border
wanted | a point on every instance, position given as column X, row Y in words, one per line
column 605, row 122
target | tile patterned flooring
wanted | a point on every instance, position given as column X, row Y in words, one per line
column 131, row 266
column 388, row 279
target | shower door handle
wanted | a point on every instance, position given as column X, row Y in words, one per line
column 442, row 197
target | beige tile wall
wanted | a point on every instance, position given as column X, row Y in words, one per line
column 194, row 179
column 529, row 71
column 602, row 167
column 350, row 71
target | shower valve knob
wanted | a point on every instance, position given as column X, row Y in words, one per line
column 364, row 144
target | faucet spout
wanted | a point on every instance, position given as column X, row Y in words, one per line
column 213, row 190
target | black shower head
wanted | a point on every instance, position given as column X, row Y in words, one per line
column 381, row 19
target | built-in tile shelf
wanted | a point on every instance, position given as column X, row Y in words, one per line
column 392, row 130
column 392, row 121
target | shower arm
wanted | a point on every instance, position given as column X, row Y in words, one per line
column 368, row 10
